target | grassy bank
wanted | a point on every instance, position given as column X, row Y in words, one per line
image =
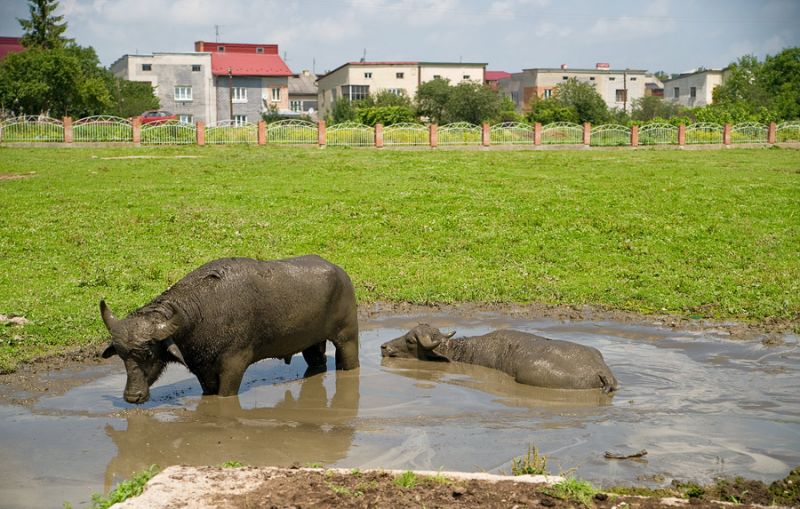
column 710, row 233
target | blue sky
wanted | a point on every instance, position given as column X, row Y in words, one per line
column 669, row 35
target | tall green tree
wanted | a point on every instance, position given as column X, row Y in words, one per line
column 651, row 107
column 549, row 110
column 432, row 99
column 44, row 29
column 472, row 102
column 780, row 77
column 583, row 97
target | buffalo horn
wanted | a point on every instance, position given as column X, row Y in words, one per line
column 425, row 342
column 108, row 317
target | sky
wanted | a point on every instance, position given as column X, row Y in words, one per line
column 667, row 35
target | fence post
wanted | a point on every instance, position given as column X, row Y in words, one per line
column 434, row 135
column 321, row 139
column 201, row 132
column 262, row 132
column 486, row 137
column 681, row 135
column 634, row 135
column 137, row 130
column 68, row 137
column 726, row 134
column 379, row 135
column 772, row 133
column 537, row 133
column 587, row 133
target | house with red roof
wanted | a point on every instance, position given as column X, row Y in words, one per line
column 10, row 45
column 218, row 81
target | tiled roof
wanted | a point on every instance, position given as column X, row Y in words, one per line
column 10, row 45
column 497, row 75
column 248, row 64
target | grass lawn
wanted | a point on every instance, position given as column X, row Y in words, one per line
column 700, row 233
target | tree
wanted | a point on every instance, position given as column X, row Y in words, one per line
column 472, row 102
column 432, row 99
column 583, row 97
column 343, row 111
column 549, row 110
column 650, row 107
column 780, row 77
column 44, row 29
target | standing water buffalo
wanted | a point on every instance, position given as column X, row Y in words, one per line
column 530, row 359
column 232, row 312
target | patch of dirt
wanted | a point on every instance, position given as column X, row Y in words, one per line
column 249, row 487
column 16, row 176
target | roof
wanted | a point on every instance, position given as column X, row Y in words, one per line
column 10, row 45
column 696, row 72
column 376, row 63
column 236, row 47
column 303, row 84
column 248, row 64
column 592, row 70
column 497, row 75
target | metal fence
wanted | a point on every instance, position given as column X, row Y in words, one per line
column 406, row 134
column 32, row 129
column 460, row 133
column 102, row 128
column 169, row 133
column 788, row 132
column 704, row 133
column 658, row 134
column 749, row 132
column 511, row 133
column 351, row 134
column 298, row 132
column 231, row 131
column 610, row 135
column 562, row 133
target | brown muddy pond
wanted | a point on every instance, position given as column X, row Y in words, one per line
column 701, row 405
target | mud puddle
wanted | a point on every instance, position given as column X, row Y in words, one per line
column 702, row 406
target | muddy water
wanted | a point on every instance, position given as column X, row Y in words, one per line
column 701, row 406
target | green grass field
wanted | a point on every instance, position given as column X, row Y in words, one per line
column 698, row 233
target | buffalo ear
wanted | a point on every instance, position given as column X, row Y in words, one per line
column 173, row 349
column 110, row 351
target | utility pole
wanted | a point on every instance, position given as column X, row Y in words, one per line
column 625, row 90
column 230, row 92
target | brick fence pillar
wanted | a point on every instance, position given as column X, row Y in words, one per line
column 634, row 135
column 379, row 135
column 537, row 133
column 772, row 133
column 321, row 139
column 137, row 130
column 68, row 135
column 726, row 134
column 434, row 135
column 262, row 132
column 587, row 133
column 201, row 133
column 681, row 135
column 486, row 134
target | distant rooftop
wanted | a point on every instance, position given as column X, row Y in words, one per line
column 10, row 45
column 497, row 75
column 303, row 84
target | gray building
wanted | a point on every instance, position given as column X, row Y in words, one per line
column 303, row 93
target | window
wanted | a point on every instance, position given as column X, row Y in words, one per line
column 276, row 95
column 515, row 97
column 183, row 93
column 240, row 119
column 548, row 93
column 185, row 118
column 195, row 67
column 677, row 92
column 355, row 92
column 399, row 75
column 437, row 76
column 465, row 77
column 221, row 49
column 367, row 75
column 693, row 92
column 633, row 78
column 147, row 67
column 396, row 91
column 612, row 78
column 591, row 78
column 564, row 77
column 296, row 105
column 239, row 94
column 622, row 95
column 259, row 50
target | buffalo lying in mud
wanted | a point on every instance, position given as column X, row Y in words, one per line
column 233, row 312
column 530, row 359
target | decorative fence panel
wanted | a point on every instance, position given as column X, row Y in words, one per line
column 562, row 133
column 32, row 129
column 102, row 128
column 169, row 133
column 350, row 134
column 511, row 133
column 704, row 133
column 610, row 135
column 749, row 132
column 658, row 134
column 460, row 133
column 299, row 132
column 406, row 134
column 788, row 132
column 231, row 131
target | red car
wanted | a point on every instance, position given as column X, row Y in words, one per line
column 148, row 117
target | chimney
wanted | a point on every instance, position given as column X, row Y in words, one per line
column 563, row 66
column 602, row 65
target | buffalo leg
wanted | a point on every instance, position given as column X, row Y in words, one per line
column 315, row 355
column 210, row 387
column 231, row 373
column 346, row 343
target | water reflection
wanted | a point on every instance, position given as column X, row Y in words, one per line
column 304, row 428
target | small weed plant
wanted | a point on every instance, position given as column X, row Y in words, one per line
column 532, row 463
column 232, row 464
column 574, row 490
column 407, row 479
column 133, row 487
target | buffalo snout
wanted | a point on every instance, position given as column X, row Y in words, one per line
column 136, row 397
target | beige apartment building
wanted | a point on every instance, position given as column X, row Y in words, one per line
column 357, row 80
column 618, row 87
column 693, row 89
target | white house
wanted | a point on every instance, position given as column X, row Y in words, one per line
column 694, row 88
